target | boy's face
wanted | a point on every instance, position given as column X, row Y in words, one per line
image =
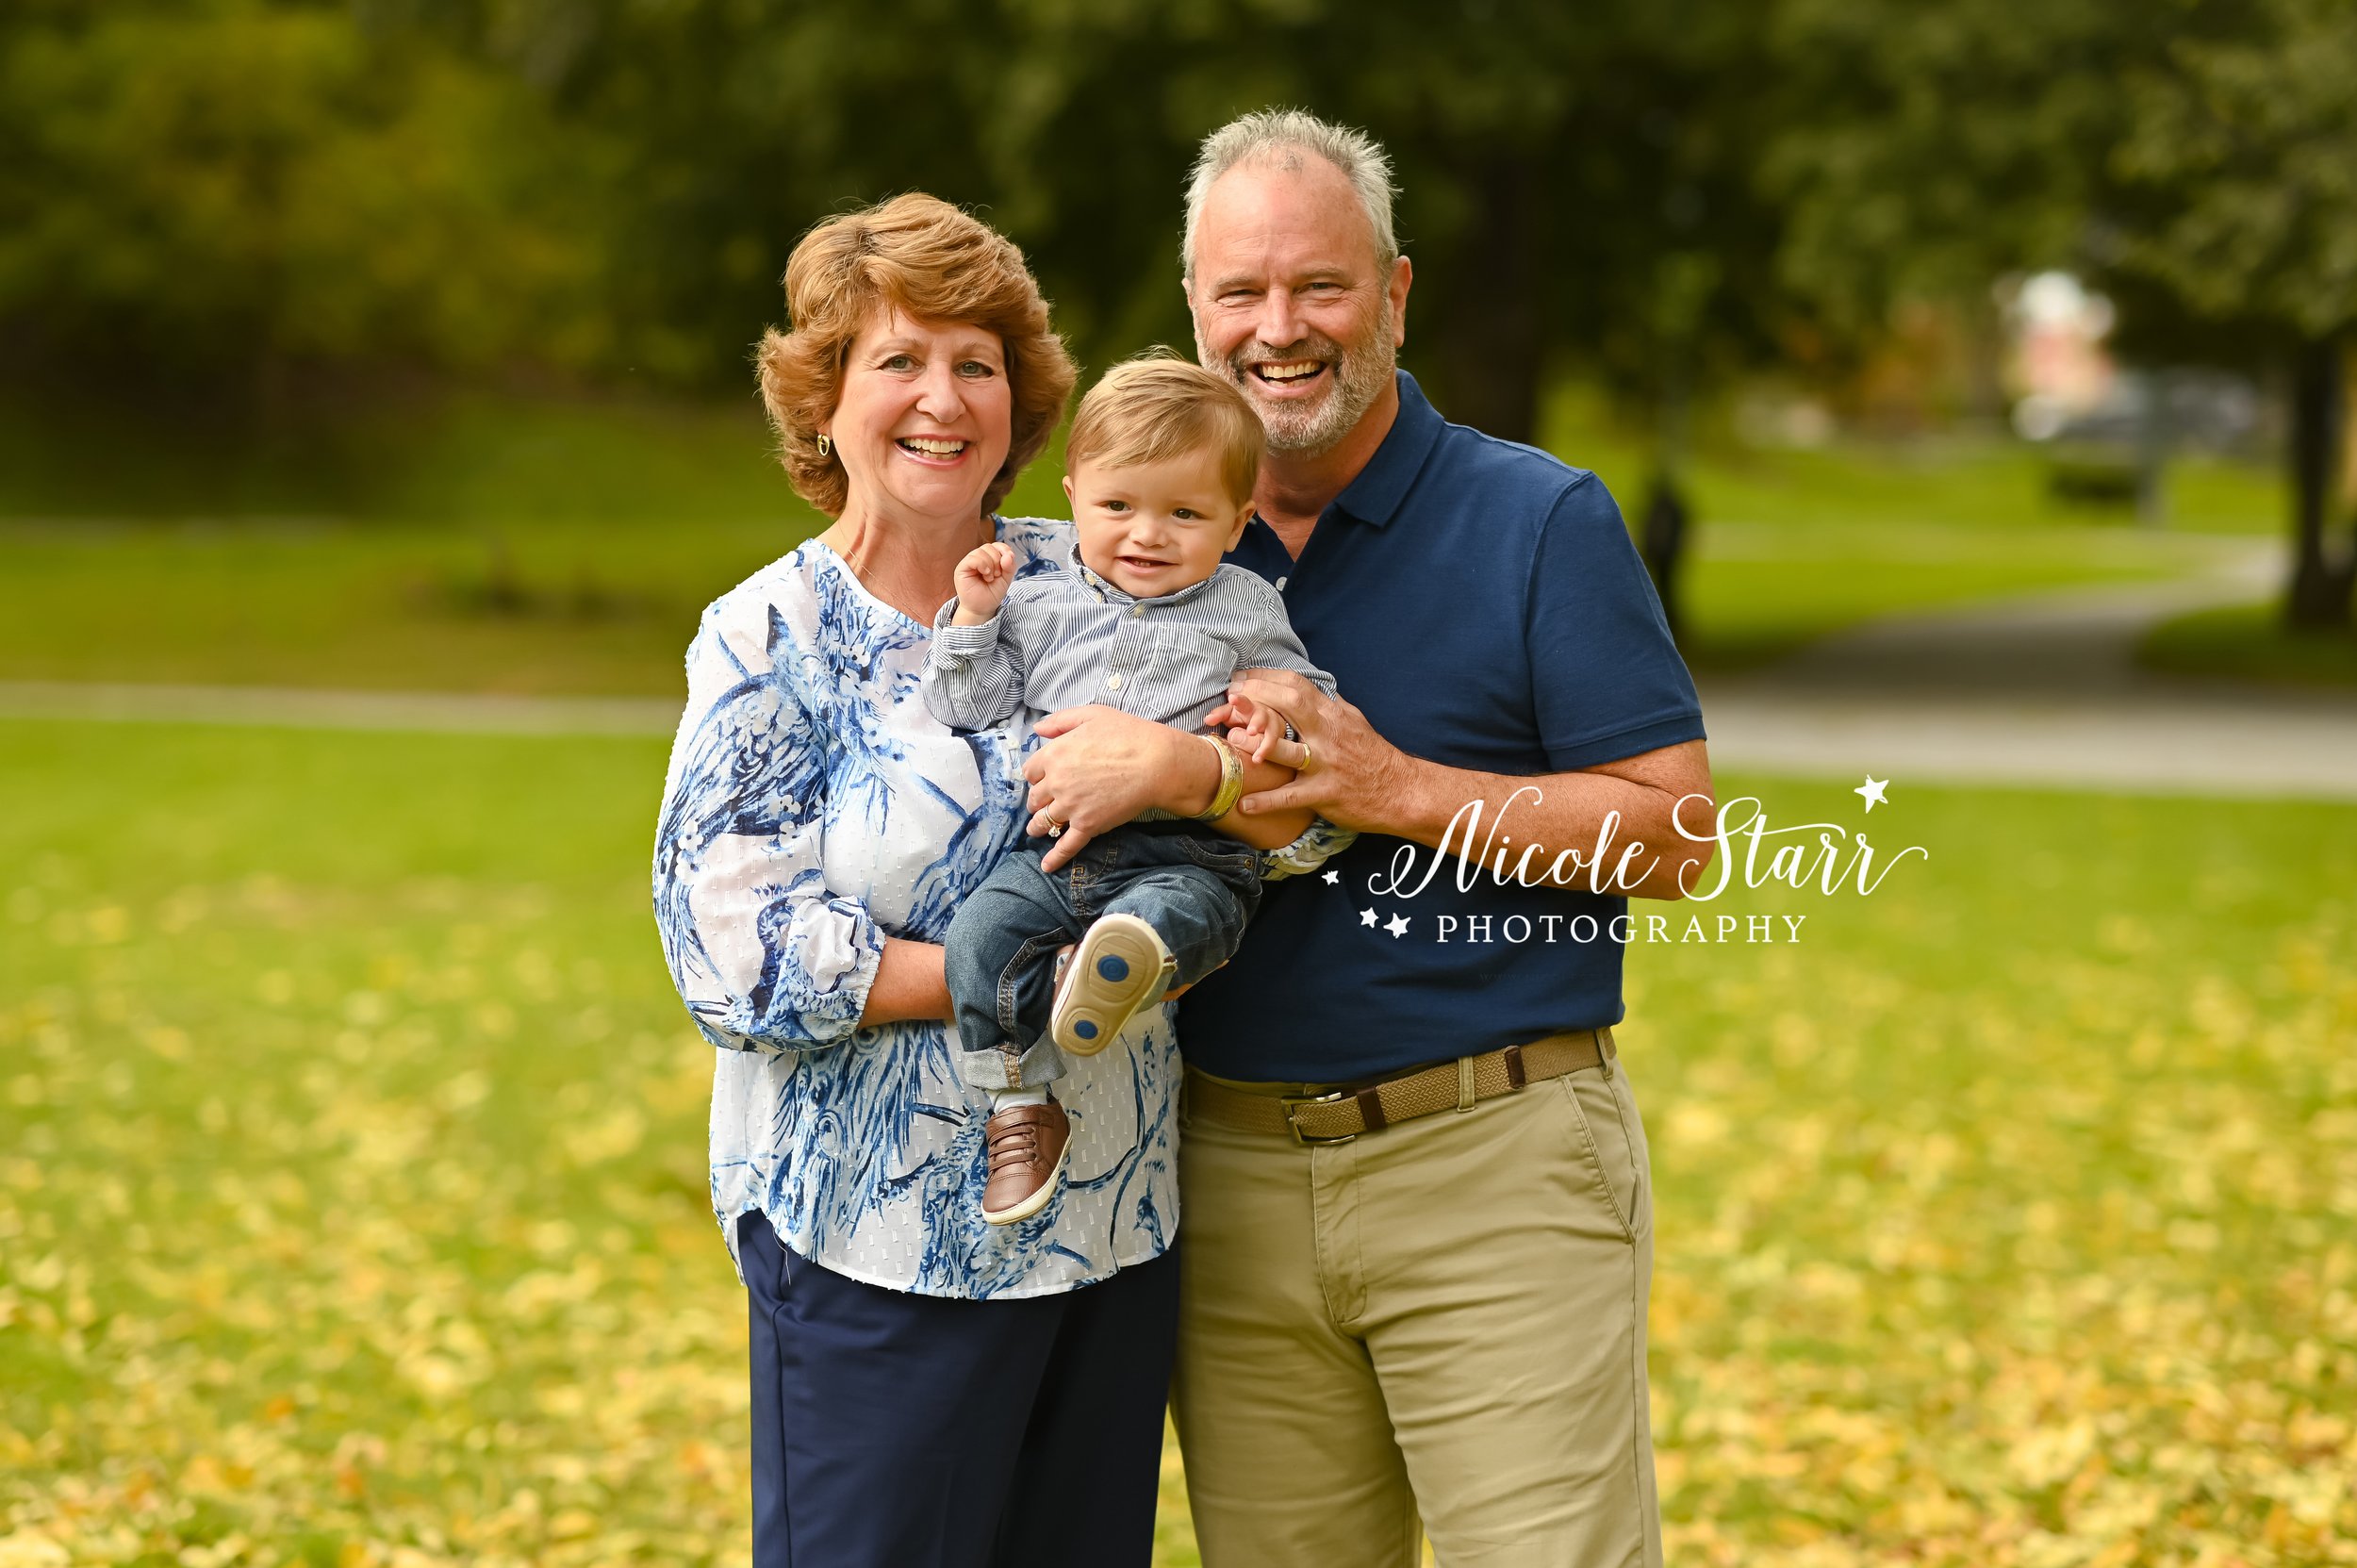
column 1154, row 528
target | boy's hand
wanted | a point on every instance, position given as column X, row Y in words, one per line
column 1254, row 727
column 982, row 581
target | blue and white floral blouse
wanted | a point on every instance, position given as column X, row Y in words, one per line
column 813, row 808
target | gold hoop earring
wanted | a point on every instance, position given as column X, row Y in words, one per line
column 826, row 445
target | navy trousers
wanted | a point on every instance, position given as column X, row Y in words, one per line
column 895, row 1431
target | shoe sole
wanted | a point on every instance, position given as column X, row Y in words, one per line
column 1034, row 1203
column 1120, row 965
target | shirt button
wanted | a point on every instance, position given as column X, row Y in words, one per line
column 1136, row 610
column 1112, row 682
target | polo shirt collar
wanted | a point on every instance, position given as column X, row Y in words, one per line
column 1106, row 591
column 1375, row 495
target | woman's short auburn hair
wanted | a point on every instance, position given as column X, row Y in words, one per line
column 921, row 256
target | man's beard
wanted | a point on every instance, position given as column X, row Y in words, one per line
column 1358, row 376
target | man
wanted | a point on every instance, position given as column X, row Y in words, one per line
column 1417, row 1209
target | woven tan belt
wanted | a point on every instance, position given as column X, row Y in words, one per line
column 1459, row 1085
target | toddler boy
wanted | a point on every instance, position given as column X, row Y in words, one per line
column 1160, row 469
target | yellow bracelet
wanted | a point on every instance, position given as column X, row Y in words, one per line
column 1230, row 780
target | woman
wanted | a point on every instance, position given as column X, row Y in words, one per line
column 927, row 1388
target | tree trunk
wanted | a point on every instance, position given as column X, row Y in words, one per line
column 1487, row 345
column 2321, row 585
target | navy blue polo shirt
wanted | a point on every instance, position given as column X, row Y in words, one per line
column 1482, row 604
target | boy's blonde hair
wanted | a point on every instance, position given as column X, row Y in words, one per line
column 1157, row 407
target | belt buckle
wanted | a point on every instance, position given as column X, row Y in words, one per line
column 1307, row 1140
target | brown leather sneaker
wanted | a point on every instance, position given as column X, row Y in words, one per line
column 1027, row 1147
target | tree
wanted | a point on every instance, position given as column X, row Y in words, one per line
column 203, row 189
column 2236, row 192
column 2197, row 157
column 1578, row 188
column 1552, row 164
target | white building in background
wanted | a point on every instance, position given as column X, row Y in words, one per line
column 2058, row 364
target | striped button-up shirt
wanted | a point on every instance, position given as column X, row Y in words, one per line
column 1069, row 638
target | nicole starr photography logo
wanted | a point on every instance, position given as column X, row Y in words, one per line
column 1825, row 857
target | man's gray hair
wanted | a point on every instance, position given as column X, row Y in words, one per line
column 1281, row 136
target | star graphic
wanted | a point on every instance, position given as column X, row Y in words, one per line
column 1333, row 878
column 1366, row 917
column 1396, row 925
column 1872, row 790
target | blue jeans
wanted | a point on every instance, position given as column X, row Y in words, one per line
column 1196, row 887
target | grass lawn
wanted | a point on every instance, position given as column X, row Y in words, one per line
column 1792, row 544
column 545, row 547
column 607, row 608
column 2250, row 642
column 352, row 1189
column 534, row 607
column 1757, row 592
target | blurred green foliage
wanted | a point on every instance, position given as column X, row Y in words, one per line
column 227, row 186
column 2196, row 159
column 614, row 186
column 1647, row 191
column 2194, row 155
column 236, row 211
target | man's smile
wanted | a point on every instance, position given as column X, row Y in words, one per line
column 1288, row 372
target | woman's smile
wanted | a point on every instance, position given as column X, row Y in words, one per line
column 934, row 452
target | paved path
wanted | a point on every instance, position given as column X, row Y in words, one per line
column 2040, row 690
column 2275, row 747
column 286, row 707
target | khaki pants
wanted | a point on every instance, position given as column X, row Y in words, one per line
column 1441, row 1326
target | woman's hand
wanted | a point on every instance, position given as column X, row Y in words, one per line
column 1343, row 771
column 1102, row 766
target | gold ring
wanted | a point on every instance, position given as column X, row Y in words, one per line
column 1055, row 829
column 1305, row 758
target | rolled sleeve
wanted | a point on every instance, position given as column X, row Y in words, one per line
column 1319, row 842
column 970, row 681
column 765, row 956
column 956, row 644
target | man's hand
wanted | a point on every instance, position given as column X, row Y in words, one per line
column 983, row 578
column 1102, row 766
column 1343, row 771
column 1355, row 779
